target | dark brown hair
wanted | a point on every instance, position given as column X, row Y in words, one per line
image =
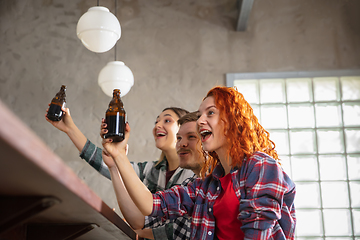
column 178, row 111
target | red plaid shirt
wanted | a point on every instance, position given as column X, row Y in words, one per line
column 265, row 192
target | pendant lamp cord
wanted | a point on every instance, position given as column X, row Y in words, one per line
column 116, row 17
column 98, row 2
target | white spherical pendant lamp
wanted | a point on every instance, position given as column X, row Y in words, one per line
column 116, row 75
column 98, row 29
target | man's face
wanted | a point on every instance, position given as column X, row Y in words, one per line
column 188, row 147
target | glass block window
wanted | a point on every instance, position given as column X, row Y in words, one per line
column 314, row 120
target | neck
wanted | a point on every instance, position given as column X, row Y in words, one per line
column 222, row 154
column 172, row 159
column 197, row 172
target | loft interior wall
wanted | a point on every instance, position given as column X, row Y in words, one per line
column 177, row 51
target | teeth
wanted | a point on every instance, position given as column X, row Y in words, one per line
column 204, row 132
column 160, row 134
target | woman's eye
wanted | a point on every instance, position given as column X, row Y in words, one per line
column 167, row 120
column 178, row 139
column 192, row 137
column 210, row 112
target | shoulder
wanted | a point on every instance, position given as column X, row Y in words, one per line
column 257, row 164
column 259, row 158
column 186, row 173
column 143, row 165
column 201, row 185
column 261, row 167
column 144, row 168
column 189, row 180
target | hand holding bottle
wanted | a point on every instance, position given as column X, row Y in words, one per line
column 112, row 148
column 65, row 124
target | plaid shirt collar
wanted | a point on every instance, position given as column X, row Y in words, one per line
column 162, row 165
column 219, row 171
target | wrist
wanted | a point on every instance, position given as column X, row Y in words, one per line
column 71, row 129
column 121, row 157
column 123, row 154
column 113, row 168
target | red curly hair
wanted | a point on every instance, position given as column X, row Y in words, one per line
column 243, row 132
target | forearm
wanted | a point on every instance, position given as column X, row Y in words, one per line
column 256, row 234
column 131, row 213
column 138, row 192
column 77, row 137
column 145, row 233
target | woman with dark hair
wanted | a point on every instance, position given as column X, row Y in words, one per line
column 244, row 192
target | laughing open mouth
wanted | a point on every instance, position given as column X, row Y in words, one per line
column 160, row 134
column 205, row 134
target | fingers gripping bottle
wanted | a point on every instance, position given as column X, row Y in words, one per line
column 55, row 113
column 115, row 118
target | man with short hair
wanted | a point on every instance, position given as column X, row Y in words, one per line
column 191, row 157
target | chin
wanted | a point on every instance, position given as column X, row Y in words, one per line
column 208, row 149
column 159, row 146
column 183, row 164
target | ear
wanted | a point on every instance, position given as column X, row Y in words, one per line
column 226, row 126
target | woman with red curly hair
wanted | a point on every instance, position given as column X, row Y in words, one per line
column 243, row 192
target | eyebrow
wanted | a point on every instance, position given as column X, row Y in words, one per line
column 188, row 133
column 198, row 111
column 166, row 115
column 192, row 133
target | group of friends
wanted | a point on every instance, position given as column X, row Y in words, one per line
column 218, row 176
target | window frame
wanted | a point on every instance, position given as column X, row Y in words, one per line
column 231, row 77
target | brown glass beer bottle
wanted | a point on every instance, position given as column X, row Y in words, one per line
column 55, row 113
column 115, row 118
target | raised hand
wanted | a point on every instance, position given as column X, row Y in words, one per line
column 114, row 149
column 108, row 160
column 65, row 124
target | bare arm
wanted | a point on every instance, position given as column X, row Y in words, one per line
column 138, row 192
column 145, row 233
column 131, row 213
column 67, row 125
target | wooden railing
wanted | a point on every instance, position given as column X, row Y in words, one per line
column 42, row 198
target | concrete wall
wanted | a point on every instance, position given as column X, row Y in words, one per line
column 177, row 51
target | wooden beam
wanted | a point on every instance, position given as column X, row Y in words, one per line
column 245, row 7
column 15, row 210
column 57, row 231
column 30, row 168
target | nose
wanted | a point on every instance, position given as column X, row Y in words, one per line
column 158, row 125
column 182, row 143
column 201, row 120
